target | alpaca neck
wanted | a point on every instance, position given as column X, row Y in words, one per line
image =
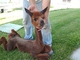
column 39, row 37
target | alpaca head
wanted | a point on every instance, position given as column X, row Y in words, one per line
column 37, row 18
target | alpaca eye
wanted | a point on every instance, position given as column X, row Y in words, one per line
column 35, row 19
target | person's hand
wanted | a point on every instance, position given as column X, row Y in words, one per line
column 33, row 8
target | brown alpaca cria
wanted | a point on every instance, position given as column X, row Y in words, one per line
column 36, row 48
column 31, row 46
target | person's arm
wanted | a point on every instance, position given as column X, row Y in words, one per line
column 32, row 6
column 46, row 3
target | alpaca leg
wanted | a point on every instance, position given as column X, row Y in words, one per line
column 43, row 56
column 10, row 45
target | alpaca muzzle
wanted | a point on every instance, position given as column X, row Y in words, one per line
column 41, row 23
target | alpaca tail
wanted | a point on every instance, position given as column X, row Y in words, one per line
column 4, row 42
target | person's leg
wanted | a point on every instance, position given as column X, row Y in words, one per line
column 27, row 22
column 47, row 37
column 46, row 33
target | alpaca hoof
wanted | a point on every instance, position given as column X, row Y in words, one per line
column 50, row 53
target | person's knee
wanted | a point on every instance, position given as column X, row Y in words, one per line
column 24, row 22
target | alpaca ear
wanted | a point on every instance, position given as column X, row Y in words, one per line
column 44, row 10
column 30, row 13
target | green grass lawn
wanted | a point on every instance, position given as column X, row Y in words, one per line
column 65, row 25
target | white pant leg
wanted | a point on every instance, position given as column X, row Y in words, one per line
column 46, row 33
column 27, row 21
